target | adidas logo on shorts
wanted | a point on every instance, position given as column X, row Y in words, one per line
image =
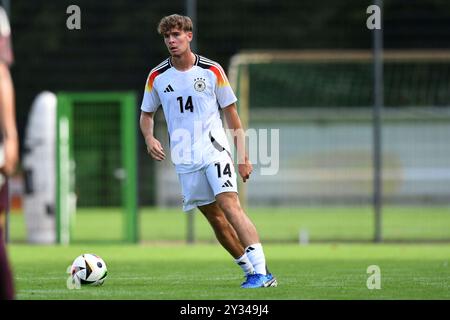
column 227, row 184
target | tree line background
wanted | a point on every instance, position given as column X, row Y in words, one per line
column 118, row 43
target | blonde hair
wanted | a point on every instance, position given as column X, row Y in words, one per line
column 174, row 21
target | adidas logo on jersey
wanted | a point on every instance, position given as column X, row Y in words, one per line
column 227, row 184
column 169, row 89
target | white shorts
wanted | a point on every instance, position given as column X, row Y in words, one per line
column 200, row 187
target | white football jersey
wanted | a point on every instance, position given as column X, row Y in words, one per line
column 191, row 101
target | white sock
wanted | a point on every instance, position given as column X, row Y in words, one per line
column 256, row 256
column 245, row 264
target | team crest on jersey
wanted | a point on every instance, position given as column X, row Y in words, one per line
column 199, row 84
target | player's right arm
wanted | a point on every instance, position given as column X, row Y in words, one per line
column 154, row 147
column 149, row 105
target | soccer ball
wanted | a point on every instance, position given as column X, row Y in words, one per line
column 88, row 269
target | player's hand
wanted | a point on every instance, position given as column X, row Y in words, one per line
column 155, row 149
column 245, row 169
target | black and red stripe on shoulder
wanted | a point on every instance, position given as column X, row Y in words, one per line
column 215, row 68
column 158, row 70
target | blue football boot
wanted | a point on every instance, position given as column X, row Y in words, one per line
column 258, row 280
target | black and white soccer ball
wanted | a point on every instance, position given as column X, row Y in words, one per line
column 88, row 269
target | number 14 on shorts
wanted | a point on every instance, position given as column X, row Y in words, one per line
column 226, row 170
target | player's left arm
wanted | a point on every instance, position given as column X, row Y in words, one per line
column 231, row 116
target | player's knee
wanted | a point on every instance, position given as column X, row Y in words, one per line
column 230, row 207
column 218, row 220
column 215, row 217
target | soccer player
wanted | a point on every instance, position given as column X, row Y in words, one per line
column 192, row 89
column 9, row 153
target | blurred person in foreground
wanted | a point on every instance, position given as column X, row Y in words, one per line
column 192, row 90
column 9, row 148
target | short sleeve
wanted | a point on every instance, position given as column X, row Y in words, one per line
column 6, row 55
column 224, row 92
column 150, row 100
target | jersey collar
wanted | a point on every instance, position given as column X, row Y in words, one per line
column 197, row 59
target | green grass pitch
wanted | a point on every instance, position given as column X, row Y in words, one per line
column 205, row 271
column 162, row 267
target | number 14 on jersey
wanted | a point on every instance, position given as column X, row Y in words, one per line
column 188, row 106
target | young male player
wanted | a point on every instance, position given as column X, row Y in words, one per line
column 191, row 90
